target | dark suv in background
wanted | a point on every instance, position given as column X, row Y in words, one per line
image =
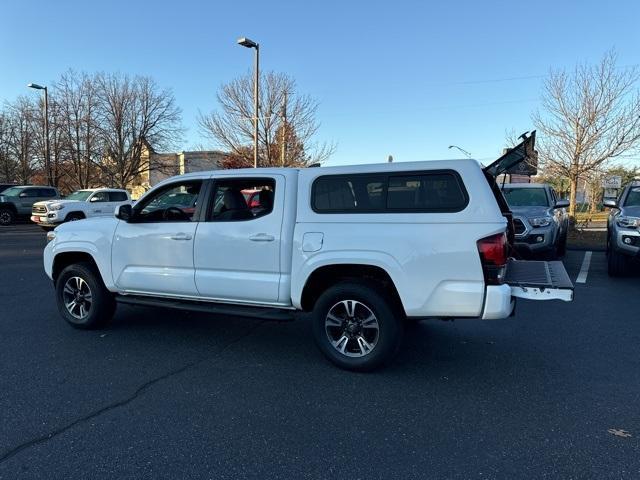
column 540, row 219
column 16, row 201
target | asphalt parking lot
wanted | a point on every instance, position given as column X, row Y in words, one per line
column 166, row 394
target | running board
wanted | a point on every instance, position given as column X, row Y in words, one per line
column 264, row 313
column 538, row 280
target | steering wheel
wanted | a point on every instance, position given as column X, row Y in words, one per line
column 174, row 213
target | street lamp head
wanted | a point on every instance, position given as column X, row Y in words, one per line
column 36, row 86
column 245, row 42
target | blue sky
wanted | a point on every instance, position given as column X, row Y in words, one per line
column 395, row 77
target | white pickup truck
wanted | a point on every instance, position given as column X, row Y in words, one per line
column 87, row 203
column 361, row 247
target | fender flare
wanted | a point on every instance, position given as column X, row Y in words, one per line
column 373, row 258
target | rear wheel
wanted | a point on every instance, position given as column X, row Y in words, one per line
column 617, row 264
column 357, row 326
column 83, row 300
column 6, row 217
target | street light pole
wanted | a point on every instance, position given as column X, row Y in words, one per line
column 245, row 42
column 47, row 157
column 461, row 149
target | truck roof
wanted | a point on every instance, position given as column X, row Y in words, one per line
column 362, row 167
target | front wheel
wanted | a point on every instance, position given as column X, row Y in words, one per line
column 617, row 264
column 83, row 300
column 6, row 217
column 357, row 326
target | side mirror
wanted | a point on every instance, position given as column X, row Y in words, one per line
column 562, row 204
column 23, row 195
column 610, row 203
column 124, row 212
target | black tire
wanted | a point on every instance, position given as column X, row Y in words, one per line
column 99, row 307
column 73, row 217
column 617, row 264
column 368, row 298
column 7, row 217
column 562, row 245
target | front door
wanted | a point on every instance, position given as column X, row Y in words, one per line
column 237, row 248
column 153, row 252
column 99, row 204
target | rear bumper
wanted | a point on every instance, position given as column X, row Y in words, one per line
column 498, row 302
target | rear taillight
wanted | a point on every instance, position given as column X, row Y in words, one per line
column 493, row 256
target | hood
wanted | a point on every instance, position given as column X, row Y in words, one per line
column 530, row 212
column 89, row 225
column 54, row 201
column 631, row 211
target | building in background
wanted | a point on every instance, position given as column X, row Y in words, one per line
column 164, row 165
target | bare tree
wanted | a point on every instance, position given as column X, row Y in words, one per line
column 77, row 101
column 287, row 123
column 130, row 112
column 8, row 164
column 589, row 117
column 22, row 143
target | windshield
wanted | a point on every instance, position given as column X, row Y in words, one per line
column 526, row 197
column 81, row 195
column 633, row 198
column 12, row 192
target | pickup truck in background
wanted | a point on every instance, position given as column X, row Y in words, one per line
column 623, row 231
column 540, row 219
column 91, row 202
column 360, row 247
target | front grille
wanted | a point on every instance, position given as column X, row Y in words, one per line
column 519, row 226
column 39, row 209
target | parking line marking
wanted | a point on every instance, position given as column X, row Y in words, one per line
column 584, row 270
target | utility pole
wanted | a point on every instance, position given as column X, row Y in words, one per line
column 283, row 152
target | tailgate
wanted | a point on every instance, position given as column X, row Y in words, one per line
column 538, row 280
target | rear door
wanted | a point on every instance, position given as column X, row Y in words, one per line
column 237, row 247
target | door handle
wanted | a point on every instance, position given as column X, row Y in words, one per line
column 181, row 236
column 262, row 237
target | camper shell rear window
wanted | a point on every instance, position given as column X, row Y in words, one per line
column 430, row 191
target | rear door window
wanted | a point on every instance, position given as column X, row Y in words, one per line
column 117, row 197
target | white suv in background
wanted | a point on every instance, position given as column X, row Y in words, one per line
column 91, row 202
column 361, row 247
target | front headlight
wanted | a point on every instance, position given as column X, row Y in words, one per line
column 51, row 236
column 540, row 221
column 56, row 206
column 628, row 222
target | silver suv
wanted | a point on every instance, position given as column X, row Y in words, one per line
column 17, row 201
column 623, row 234
column 540, row 219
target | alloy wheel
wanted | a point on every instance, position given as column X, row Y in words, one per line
column 352, row 328
column 77, row 297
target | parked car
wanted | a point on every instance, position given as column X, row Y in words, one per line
column 361, row 247
column 540, row 218
column 16, row 202
column 623, row 231
column 91, row 202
